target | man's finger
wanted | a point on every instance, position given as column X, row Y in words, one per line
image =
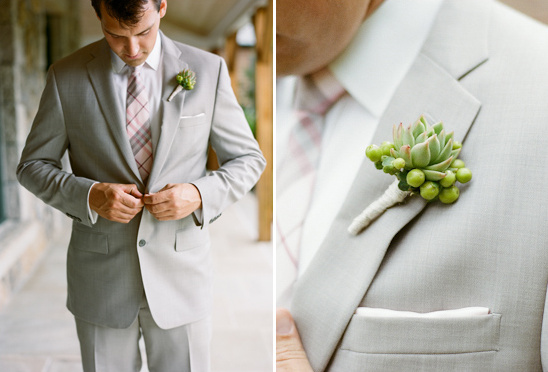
column 129, row 189
column 290, row 355
column 158, row 208
column 132, row 202
column 161, row 196
column 135, row 192
column 119, row 216
column 156, row 198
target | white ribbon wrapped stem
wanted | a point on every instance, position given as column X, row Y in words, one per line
column 392, row 196
column 175, row 92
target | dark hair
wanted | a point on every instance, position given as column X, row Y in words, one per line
column 128, row 12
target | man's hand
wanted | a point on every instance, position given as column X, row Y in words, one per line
column 173, row 202
column 290, row 355
column 115, row 202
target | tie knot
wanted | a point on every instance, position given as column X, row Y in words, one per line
column 316, row 93
column 135, row 70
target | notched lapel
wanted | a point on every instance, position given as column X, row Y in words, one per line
column 99, row 70
column 171, row 111
column 339, row 276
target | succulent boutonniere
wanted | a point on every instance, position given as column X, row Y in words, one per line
column 424, row 160
column 186, row 79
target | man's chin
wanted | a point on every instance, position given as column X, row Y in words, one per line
column 291, row 66
column 298, row 59
column 133, row 62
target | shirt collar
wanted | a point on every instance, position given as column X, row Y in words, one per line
column 153, row 59
column 383, row 50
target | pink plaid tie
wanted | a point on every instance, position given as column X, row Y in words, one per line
column 138, row 123
column 315, row 95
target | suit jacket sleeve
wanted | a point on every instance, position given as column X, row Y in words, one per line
column 239, row 155
column 40, row 168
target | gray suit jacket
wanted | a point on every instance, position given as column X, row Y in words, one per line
column 483, row 72
column 109, row 263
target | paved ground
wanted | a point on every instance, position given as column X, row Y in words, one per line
column 37, row 332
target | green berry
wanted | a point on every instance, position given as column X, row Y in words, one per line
column 373, row 152
column 464, row 175
column 449, row 195
column 399, row 163
column 179, row 79
column 456, row 145
column 415, row 178
column 457, row 163
column 449, row 179
column 429, row 190
column 378, row 165
column 385, row 148
column 389, row 169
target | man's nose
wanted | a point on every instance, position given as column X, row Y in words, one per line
column 132, row 47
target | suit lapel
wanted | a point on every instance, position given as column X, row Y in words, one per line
column 99, row 70
column 339, row 276
column 171, row 111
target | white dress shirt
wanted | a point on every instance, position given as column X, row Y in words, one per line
column 152, row 79
column 370, row 69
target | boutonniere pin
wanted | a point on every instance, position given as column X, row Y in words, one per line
column 186, row 79
column 424, row 160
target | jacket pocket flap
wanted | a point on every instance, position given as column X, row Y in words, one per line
column 89, row 241
column 422, row 335
column 191, row 238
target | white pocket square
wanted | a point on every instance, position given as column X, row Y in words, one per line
column 193, row 116
column 457, row 313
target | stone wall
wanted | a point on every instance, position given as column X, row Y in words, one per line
column 31, row 36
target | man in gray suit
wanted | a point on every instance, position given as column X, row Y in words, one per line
column 427, row 286
column 139, row 195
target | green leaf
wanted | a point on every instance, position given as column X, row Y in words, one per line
column 397, row 134
column 405, row 154
column 441, row 138
column 423, row 119
column 420, row 155
column 434, row 145
column 438, row 127
column 418, row 128
column 449, row 136
column 440, row 167
column 433, row 175
column 387, row 160
column 455, row 153
column 421, row 138
column 403, row 186
column 446, row 152
column 407, row 137
column 395, row 154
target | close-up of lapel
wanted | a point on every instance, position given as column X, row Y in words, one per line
column 99, row 71
column 172, row 110
column 340, row 274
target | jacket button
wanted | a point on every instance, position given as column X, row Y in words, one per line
column 142, row 243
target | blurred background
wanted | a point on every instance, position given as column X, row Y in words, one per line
column 537, row 9
column 37, row 333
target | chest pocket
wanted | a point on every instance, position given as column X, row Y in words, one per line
column 192, row 136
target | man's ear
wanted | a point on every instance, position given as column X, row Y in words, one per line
column 163, row 8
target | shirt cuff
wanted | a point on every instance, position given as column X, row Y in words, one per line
column 91, row 213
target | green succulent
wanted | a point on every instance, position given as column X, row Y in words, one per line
column 422, row 153
column 186, row 79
